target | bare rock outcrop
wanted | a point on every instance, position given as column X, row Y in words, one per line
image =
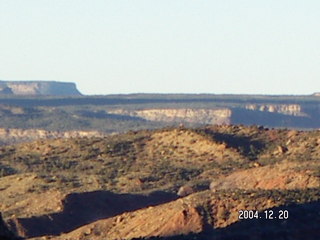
column 286, row 109
column 14, row 135
column 188, row 115
column 185, row 191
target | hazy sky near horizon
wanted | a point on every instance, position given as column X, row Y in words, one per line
column 164, row 46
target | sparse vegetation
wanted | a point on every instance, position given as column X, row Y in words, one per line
column 140, row 162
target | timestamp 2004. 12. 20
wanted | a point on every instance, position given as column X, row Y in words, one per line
column 266, row 214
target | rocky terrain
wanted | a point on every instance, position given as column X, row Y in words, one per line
column 171, row 183
column 11, row 136
column 121, row 113
column 38, row 88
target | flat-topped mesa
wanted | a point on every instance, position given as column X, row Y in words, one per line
column 51, row 88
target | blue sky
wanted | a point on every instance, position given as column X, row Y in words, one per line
column 167, row 46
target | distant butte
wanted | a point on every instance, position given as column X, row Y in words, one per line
column 37, row 88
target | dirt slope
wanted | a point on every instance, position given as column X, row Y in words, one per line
column 196, row 213
column 283, row 175
column 187, row 146
column 19, row 196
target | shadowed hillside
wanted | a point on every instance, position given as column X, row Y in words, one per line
column 5, row 233
column 163, row 183
column 79, row 209
column 298, row 226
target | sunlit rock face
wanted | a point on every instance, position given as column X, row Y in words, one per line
column 286, row 109
column 188, row 115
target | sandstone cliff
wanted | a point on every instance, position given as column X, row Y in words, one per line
column 38, row 88
column 286, row 109
column 188, row 115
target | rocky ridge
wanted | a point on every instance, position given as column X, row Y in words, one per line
column 127, row 186
column 11, row 136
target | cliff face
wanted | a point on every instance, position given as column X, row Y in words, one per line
column 248, row 112
column 120, row 113
column 188, row 115
column 268, row 114
column 286, row 109
column 38, row 88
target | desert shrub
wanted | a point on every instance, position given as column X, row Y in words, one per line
column 205, row 210
column 171, row 173
column 268, row 161
column 90, row 154
column 57, row 164
column 119, row 148
column 107, row 174
column 6, row 170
